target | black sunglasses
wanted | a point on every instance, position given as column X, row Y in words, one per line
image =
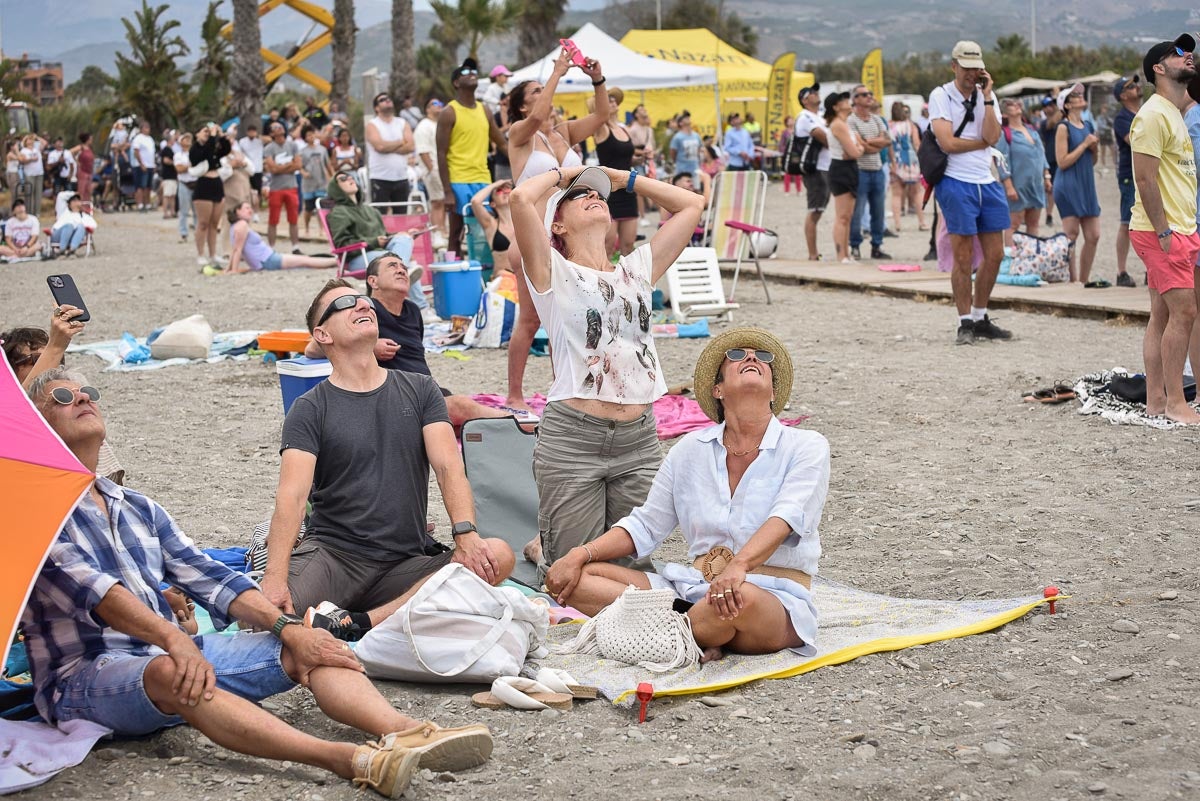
column 578, row 192
column 32, row 356
column 341, row 303
column 67, row 396
column 740, row 354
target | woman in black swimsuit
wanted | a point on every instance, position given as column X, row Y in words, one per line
column 614, row 148
column 496, row 221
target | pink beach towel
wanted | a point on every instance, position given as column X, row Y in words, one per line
column 900, row 268
column 675, row 414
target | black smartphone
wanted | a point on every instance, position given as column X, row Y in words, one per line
column 65, row 293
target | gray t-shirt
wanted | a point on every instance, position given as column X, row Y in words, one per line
column 869, row 129
column 370, row 486
column 271, row 154
column 314, row 158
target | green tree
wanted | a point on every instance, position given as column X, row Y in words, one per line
column 247, row 82
column 479, row 19
column 93, row 85
column 538, row 31
column 10, row 82
column 211, row 76
column 344, row 36
column 149, row 81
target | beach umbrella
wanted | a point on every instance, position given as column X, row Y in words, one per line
column 41, row 481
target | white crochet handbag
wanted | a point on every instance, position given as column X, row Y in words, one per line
column 639, row 628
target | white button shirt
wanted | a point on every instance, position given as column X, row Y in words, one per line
column 789, row 479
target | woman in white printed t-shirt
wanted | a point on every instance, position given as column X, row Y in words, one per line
column 597, row 449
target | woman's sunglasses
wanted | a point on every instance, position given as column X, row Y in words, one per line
column 578, row 192
column 66, row 396
column 740, row 354
column 341, row 303
column 28, row 358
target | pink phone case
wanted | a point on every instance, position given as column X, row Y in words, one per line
column 576, row 55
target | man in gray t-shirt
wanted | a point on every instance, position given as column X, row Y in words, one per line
column 359, row 447
column 281, row 162
column 872, row 180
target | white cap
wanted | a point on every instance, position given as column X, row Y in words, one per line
column 591, row 177
column 1065, row 93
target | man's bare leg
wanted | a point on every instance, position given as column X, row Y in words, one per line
column 960, row 277
column 1181, row 306
column 810, row 234
column 992, row 245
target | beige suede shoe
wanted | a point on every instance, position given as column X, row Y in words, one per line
column 444, row 749
column 387, row 769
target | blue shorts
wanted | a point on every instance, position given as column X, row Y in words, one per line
column 972, row 209
column 108, row 690
column 310, row 199
column 273, row 262
column 142, row 177
column 462, row 197
column 1128, row 195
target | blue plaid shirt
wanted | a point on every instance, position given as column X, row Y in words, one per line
column 139, row 549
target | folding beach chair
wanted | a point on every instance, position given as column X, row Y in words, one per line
column 498, row 457
column 739, row 199
column 404, row 218
column 343, row 254
column 694, row 286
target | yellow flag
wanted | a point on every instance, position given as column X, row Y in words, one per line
column 779, row 98
column 872, row 73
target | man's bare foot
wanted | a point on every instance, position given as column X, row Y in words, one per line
column 533, row 550
column 712, row 654
column 1183, row 414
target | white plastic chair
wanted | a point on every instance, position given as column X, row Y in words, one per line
column 694, row 286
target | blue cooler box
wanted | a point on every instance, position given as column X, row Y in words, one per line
column 299, row 375
column 457, row 288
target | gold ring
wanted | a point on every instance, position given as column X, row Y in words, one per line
column 714, row 595
column 345, row 647
column 727, row 592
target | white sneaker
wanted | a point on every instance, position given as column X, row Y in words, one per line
column 255, row 217
column 429, row 316
column 202, row 262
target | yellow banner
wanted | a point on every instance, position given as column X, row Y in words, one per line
column 872, row 73
column 779, row 98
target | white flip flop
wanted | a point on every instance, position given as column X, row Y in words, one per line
column 560, row 681
column 517, row 692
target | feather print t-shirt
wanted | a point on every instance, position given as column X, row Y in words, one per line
column 599, row 326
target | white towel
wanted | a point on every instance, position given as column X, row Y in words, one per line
column 33, row 753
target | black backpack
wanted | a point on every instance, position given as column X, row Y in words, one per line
column 801, row 155
column 930, row 155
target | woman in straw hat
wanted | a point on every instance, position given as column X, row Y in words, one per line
column 597, row 446
column 747, row 495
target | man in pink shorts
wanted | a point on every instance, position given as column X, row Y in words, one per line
column 1163, row 225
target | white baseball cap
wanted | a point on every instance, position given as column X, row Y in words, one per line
column 968, row 54
column 591, row 178
column 1065, row 93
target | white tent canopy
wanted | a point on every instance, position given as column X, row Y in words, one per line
column 622, row 67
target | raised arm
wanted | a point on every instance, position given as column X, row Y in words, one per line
column 481, row 213
column 521, row 132
column 579, row 130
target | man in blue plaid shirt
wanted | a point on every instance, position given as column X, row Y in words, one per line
column 105, row 646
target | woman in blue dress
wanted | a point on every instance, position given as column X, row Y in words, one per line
column 1024, row 171
column 1075, row 146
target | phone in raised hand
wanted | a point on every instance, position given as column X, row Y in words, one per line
column 576, row 55
column 65, row 293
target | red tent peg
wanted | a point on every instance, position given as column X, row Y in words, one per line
column 1050, row 592
column 645, row 691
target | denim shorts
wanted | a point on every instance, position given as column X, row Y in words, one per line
column 108, row 690
column 273, row 262
column 972, row 209
column 143, row 177
column 1128, row 195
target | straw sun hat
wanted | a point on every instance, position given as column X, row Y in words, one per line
column 751, row 339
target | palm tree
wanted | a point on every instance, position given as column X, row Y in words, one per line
column 480, row 19
column 343, row 52
column 211, row 76
column 539, row 29
column 248, row 72
column 404, row 52
column 149, row 82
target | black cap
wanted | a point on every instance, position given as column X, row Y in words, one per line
column 468, row 64
column 1161, row 50
column 833, row 98
column 808, row 90
column 375, row 100
column 1122, row 82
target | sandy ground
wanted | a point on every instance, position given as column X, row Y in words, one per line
column 944, row 485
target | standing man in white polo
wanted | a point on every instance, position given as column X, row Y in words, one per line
column 389, row 144
column 966, row 121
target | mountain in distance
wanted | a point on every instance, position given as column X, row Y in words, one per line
column 813, row 29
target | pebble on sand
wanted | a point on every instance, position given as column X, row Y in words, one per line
column 1118, row 674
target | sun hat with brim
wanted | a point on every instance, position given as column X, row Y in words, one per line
column 591, row 177
column 1065, row 93
column 713, row 356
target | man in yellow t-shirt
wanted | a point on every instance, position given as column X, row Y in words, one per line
column 463, row 130
column 1163, row 226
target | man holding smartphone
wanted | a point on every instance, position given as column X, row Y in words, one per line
column 971, row 199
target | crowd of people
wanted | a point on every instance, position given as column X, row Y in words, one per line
column 106, row 642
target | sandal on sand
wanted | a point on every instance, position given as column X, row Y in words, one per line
column 560, row 681
column 1064, row 391
column 1099, row 283
column 1043, row 396
column 516, row 692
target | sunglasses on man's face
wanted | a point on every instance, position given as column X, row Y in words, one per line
column 341, row 303
column 468, row 72
column 740, row 354
column 66, row 396
column 863, row 94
